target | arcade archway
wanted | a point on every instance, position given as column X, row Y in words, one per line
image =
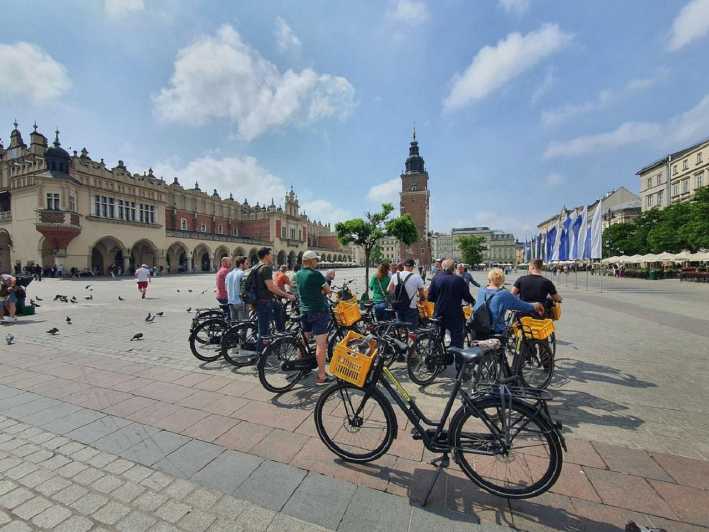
column 5, row 244
column 201, row 261
column 177, row 258
column 143, row 252
column 106, row 252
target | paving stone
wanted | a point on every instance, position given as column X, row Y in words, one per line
column 16, row 526
column 197, row 520
column 227, row 472
column 255, row 518
column 86, row 454
column 425, row 520
column 55, row 462
column 685, row 471
column 8, row 463
column 321, row 500
column 36, row 478
column 118, row 467
column 55, row 443
column 136, row 522
column 71, row 469
column 70, row 494
column 162, row 526
column 76, row 523
column 15, row 497
column 89, row 504
column 155, row 448
column 25, row 450
column 149, row 501
column 189, row 459
column 270, row 485
column 4, row 518
column 102, row 459
column 157, row 481
column 27, row 510
column 172, row 511
column 204, row 498
column 107, row 484
column 127, row 492
column 690, row 504
column 373, row 510
column 52, row 485
column 137, row 473
column 21, row 470
column 72, row 421
column 40, row 456
column 51, row 517
column 6, row 486
column 46, row 416
column 88, row 476
column 111, row 513
column 71, row 447
column 284, row 523
column 230, row 507
column 631, row 461
column 125, row 437
column 179, row 489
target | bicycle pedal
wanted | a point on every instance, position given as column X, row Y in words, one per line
column 415, row 434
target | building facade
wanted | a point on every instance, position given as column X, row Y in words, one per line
column 70, row 210
column 415, row 201
column 391, row 249
column 443, row 245
column 499, row 246
column 688, row 170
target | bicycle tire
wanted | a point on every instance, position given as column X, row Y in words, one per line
column 335, row 441
column 200, row 345
column 535, row 364
column 490, row 484
column 283, row 349
column 419, row 365
column 240, row 337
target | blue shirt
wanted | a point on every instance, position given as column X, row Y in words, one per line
column 233, row 282
column 449, row 291
column 500, row 301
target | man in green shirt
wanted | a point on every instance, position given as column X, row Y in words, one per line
column 315, row 317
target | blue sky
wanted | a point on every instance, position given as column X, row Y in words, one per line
column 520, row 106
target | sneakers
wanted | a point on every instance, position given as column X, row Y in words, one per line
column 327, row 380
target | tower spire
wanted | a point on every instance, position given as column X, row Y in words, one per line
column 56, row 139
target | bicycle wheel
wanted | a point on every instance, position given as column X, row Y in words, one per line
column 238, row 345
column 205, row 315
column 535, row 363
column 421, row 363
column 511, row 452
column 356, row 425
column 272, row 376
column 205, row 339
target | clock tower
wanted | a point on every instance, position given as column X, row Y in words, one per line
column 414, row 201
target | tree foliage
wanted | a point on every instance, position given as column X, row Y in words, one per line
column 471, row 248
column 367, row 231
column 673, row 229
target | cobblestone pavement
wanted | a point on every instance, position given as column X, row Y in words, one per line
column 625, row 372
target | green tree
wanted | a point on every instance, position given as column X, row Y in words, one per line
column 620, row 239
column 471, row 248
column 366, row 232
column 376, row 257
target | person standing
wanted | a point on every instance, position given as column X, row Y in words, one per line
column 282, row 280
column 237, row 308
column 407, row 288
column 378, row 288
column 142, row 277
column 267, row 309
column 535, row 288
column 222, row 297
column 314, row 314
column 330, row 277
column 8, row 297
column 449, row 291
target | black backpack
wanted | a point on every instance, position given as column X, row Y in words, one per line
column 482, row 321
column 247, row 286
column 400, row 301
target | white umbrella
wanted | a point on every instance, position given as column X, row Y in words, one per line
column 686, row 255
column 649, row 258
column 665, row 257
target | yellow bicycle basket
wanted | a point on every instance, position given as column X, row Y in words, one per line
column 348, row 364
column 556, row 311
column 536, row 329
column 347, row 313
column 467, row 311
column 426, row 309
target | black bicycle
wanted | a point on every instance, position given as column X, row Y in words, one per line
column 429, row 354
column 285, row 360
column 502, row 436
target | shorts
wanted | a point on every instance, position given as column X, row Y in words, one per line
column 142, row 285
column 315, row 322
column 9, row 299
column 239, row 311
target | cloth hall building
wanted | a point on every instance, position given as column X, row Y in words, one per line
column 70, row 210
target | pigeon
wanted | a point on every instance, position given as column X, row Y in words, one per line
column 87, row 287
column 137, row 336
column 68, row 320
column 38, row 298
column 9, row 339
column 178, row 290
column 159, row 313
column 73, row 299
column 53, row 331
column 120, row 298
column 189, row 309
column 189, row 290
column 203, row 292
column 89, row 298
column 33, row 304
column 149, row 318
column 57, row 297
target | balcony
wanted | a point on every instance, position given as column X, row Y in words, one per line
column 5, row 217
column 58, row 227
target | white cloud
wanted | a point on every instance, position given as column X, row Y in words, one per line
column 494, row 66
column 544, row 87
column 604, row 98
column 387, row 192
column 223, row 77
column 518, row 7
column 691, row 126
column 690, row 24
column 554, row 180
column 121, row 8
column 324, row 211
column 27, row 71
column 286, row 39
column 409, row 12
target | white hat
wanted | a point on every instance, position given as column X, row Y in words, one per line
column 310, row 255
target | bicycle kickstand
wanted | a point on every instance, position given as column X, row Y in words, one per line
column 442, row 462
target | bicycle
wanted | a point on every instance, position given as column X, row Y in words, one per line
column 428, row 356
column 499, row 432
column 528, row 340
column 285, row 360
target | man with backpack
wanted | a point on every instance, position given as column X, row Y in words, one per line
column 449, row 292
column 258, row 289
column 492, row 304
column 405, row 289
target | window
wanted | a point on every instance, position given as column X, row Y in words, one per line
column 685, row 164
column 130, row 211
column 120, row 209
column 650, row 200
column 72, row 203
column 53, row 201
column 674, row 169
column 699, row 180
column 675, row 189
column 658, row 179
column 111, row 211
column 183, row 224
column 659, row 198
column 685, row 186
column 649, row 182
column 203, row 228
column 220, row 229
column 104, row 206
column 699, row 158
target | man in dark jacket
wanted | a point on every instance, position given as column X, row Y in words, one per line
column 449, row 291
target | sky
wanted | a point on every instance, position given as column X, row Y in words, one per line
column 520, row 106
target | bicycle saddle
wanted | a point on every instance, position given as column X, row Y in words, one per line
column 472, row 354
